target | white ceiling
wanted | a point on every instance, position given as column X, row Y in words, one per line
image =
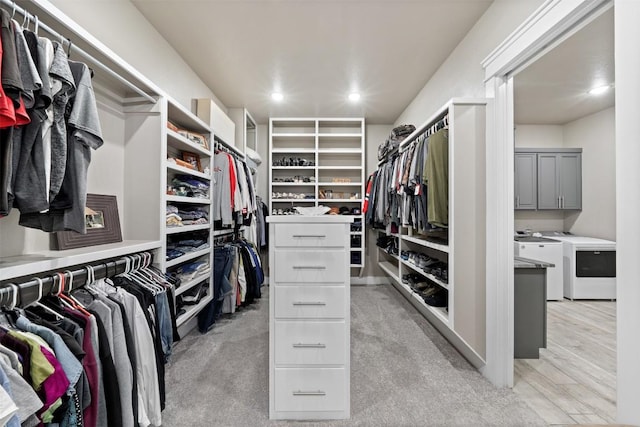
column 315, row 51
column 553, row 90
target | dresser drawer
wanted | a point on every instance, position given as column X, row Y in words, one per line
column 309, row 343
column 326, row 266
column 309, row 302
column 310, row 235
column 308, row 389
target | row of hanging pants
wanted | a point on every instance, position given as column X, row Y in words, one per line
column 237, row 278
column 96, row 363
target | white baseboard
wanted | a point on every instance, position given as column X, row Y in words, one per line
column 370, row 280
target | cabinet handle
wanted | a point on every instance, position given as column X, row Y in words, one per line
column 309, row 303
column 320, row 236
column 309, row 393
column 302, row 345
column 558, row 202
column 518, row 202
column 562, row 202
column 309, row 267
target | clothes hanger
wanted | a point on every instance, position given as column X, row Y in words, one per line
column 71, row 302
column 8, row 311
column 37, row 302
column 78, row 305
column 138, row 276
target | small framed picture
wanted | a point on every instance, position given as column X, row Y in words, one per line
column 102, row 224
column 193, row 159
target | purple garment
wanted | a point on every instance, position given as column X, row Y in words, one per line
column 90, row 366
column 57, row 383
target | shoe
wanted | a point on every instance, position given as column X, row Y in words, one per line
column 438, row 299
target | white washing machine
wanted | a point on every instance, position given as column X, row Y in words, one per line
column 548, row 250
column 589, row 266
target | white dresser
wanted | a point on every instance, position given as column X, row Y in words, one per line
column 309, row 325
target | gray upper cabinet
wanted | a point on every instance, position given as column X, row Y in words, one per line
column 556, row 182
column 525, row 188
column 560, row 181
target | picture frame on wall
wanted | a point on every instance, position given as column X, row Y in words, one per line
column 102, row 224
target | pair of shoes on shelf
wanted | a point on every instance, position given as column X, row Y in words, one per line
column 437, row 299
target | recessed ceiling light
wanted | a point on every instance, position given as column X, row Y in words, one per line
column 354, row 96
column 277, row 96
column 599, row 90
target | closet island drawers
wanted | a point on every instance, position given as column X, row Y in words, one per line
column 310, row 390
column 310, row 343
column 309, row 323
column 308, row 235
column 309, row 302
column 309, row 266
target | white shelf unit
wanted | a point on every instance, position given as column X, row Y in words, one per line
column 175, row 145
column 463, row 321
column 334, row 162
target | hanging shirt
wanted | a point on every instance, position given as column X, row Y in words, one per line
column 63, row 89
column 22, row 392
column 30, row 181
column 149, row 410
column 222, row 199
column 437, row 177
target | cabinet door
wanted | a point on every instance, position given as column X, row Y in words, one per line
column 548, row 192
column 526, row 196
column 570, row 180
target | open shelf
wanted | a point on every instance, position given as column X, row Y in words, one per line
column 187, row 171
column 34, row 263
column 187, row 228
column 191, row 283
column 192, row 200
column 188, row 257
column 425, row 274
column 192, row 310
column 426, row 243
column 176, row 140
column 335, row 143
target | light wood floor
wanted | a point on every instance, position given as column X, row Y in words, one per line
column 574, row 381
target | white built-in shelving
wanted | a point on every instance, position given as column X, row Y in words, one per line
column 329, row 152
column 462, row 321
column 176, row 145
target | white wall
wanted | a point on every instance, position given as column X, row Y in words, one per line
column 595, row 134
column 122, row 28
column 461, row 75
column 627, row 33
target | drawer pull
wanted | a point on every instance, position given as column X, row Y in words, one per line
column 309, row 267
column 309, row 393
column 319, row 236
column 309, row 303
column 301, row 345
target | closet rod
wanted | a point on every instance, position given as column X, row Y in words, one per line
column 219, row 143
column 28, row 291
column 444, row 117
column 13, row 6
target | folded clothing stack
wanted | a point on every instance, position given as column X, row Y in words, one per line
column 396, row 136
column 178, row 245
column 191, row 270
column 189, row 186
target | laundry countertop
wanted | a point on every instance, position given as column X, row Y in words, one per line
column 519, row 262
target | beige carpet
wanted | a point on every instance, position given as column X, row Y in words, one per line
column 403, row 373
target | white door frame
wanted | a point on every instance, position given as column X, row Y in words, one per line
column 552, row 22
